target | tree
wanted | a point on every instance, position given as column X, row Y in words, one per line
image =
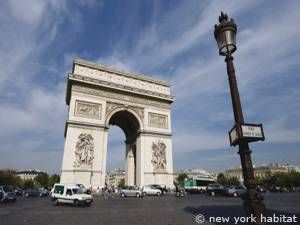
column 53, row 179
column 9, row 177
column 233, row 181
column 121, row 183
column 260, row 180
column 28, row 184
column 181, row 178
column 222, row 179
column 42, row 179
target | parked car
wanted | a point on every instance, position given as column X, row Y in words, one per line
column 164, row 190
column 261, row 189
column 7, row 193
column 151, row 190
column 235, row 191
column 128, row 191
column 274, row 188
column 70, row 194
column 215, row 189
column 32, row 192
column 18, row 191
column 43, row 192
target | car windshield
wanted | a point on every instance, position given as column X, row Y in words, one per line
column 8, row 189
column 77, row 191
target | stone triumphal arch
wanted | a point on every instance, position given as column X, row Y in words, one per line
column 98, row 97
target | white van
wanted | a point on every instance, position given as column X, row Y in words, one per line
column 70, row 194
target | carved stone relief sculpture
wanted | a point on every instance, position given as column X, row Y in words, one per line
column 84, row 151
column 159, row 160
column 88, row 109
column 110, row 106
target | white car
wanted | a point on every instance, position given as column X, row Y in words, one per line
column 150, row 190
column 70, row 194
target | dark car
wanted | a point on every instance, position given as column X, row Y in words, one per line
column 215, row 189
column 7, row 194
column 43, row 192
column 261, row 189
column 32, row 192
column 18, row 191
column 274, row 188
column 164, row 190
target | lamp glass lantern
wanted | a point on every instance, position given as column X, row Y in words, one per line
column 225, row 34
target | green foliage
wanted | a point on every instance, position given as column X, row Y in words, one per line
column 287, row 180
column 121, row 183
column 42, row 179
column 260, row 181
column 9, row 177
column 28, row 184
column 53, row 179
column 181, row 177
column 222, row 179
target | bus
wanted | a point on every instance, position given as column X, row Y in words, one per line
column 197, row 185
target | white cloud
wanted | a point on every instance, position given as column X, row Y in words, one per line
column 32, row 114
column 28, row 12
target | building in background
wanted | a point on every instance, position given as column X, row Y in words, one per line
column 261, row 171
column 113, row 178
column 29, row 174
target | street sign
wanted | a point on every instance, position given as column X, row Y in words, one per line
column 248, row 132
column 233, row 136
column 252, row 131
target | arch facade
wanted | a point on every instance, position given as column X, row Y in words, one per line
column 98, row 97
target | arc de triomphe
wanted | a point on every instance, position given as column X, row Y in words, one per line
column 98, row 97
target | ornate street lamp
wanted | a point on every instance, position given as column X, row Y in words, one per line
column 241, row 133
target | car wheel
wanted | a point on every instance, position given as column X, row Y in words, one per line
column 56, row 202
column 138, row 195
column 235, row 194
column 76, row 202
column 88, row 203
column 164, row 192
column 158, row 193
column 212, row 193
column 144, row 193
column 122, row 195
column 27, row 195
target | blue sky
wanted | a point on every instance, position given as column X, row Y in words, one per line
column 171, row 40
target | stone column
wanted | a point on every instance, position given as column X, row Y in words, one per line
column 130, row 165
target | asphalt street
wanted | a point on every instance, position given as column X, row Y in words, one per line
column 165, row 210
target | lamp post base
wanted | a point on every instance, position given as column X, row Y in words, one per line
column 254, row 207
column 253, row 201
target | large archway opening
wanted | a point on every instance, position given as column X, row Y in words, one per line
column 130, row 125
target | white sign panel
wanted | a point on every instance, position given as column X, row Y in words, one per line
column 233, row 135
column 252, row 131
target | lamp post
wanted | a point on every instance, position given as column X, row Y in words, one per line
column 241, row 133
